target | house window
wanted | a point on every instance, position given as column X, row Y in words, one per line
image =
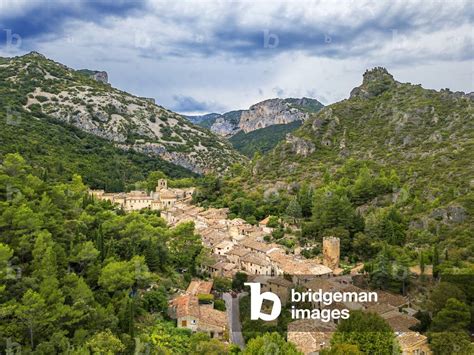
column 184, row 323
column 193, row 321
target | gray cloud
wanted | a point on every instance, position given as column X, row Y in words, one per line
column 186, row 104
column 209, row 56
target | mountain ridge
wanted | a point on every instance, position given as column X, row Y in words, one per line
column 274, row 111
column 47, row 88
column 423, row 135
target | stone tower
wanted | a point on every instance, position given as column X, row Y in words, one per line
column 331, row 252
column 162, row 184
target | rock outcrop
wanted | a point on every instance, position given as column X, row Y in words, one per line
column 97, row 75
column 101, row 76
column 300, row 146
column 223, row 127
column 375, row 82
column 271, row 112
column 263, row 114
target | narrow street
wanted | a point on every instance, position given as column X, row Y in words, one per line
column 235, row 330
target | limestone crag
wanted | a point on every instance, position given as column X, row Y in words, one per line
column 270, row 112
column 300, row 146
column 375, row 82
column 223, row 127
column 101, row 76
column 263, row 114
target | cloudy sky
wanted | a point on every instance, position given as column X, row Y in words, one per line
column 215, row 56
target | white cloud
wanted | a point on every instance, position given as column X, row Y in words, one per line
column 214, row 52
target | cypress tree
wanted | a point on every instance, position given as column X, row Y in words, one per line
column 422, row 263
column 151, row 257
column 131, row 318
column 100, row 243
column 435, row 261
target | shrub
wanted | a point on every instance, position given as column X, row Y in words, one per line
column 219, row 305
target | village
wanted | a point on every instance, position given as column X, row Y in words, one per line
column 237, row 246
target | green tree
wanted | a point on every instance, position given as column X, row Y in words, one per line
column 368, row 331
column 422, row 262
column 116, row 275
column 364, row 247
column 105, row 342
column 184, row 246
column 455, row 316
column 273, row 222
column 270, row 343
column 402, row 272
column 238, row 281
column 156, row 300
column 436, row 261
column 202, row 344
column 85, row 253
column 222, row 284
column 363, row 189
column 167, row 339
column 441, row 293
column 152, row 180
column 455, row 343
column 332, row 208
column 381, row 275
column 294, row 210
column 208, row 189
column 100, row 243
column 33, row 314
column 342, row 349
column 5, row 270
column 152, row 257
column 305, row 199
column 386, row 224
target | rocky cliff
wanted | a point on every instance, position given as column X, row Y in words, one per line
column 51, row 90
column 205, row 121
column 101, row 76
column 277, row 111
column 263, row 114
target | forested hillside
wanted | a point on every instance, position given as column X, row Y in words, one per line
column 80, row 277
column 61, row 150
column 261, row 140
column 392, row 166
column 34, row 87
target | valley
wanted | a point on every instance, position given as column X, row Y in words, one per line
column 129, row 228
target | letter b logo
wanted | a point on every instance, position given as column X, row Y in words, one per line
column 256, row 301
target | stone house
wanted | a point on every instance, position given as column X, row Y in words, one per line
column 263, row 224
column 255, row 264
column 222, row 269
column 413, row 343
column 279, row 286
column 160, row 199
column 257, row 247
column 167, row 199
column 310, row 335
column 236, row 253
column 223, row 247
column 190, row 314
